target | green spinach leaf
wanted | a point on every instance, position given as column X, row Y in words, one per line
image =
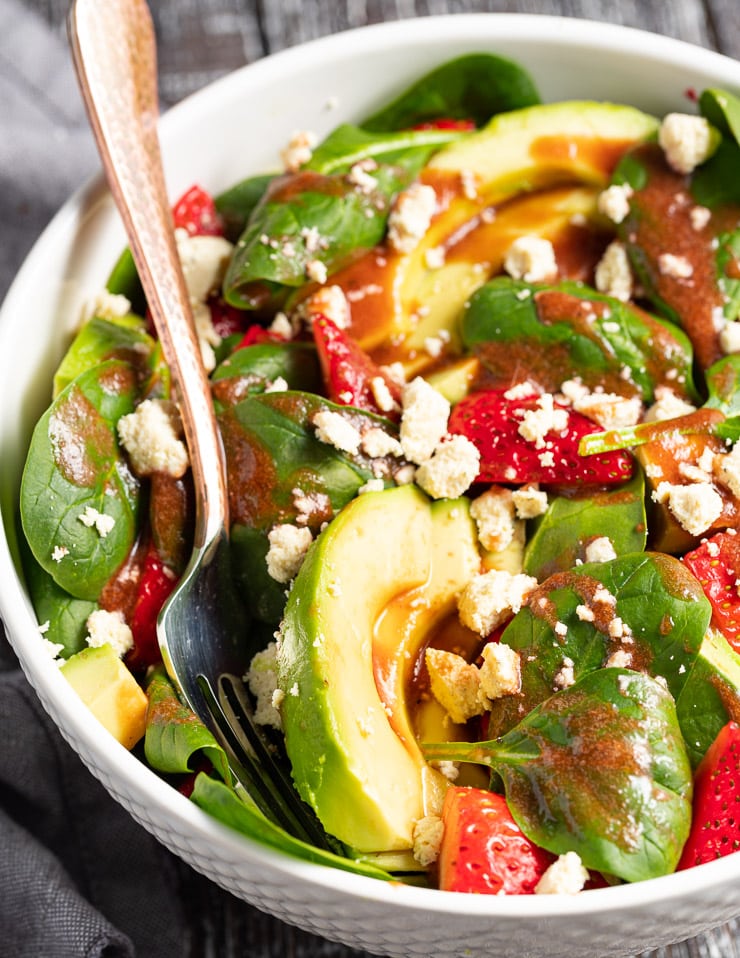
column 254, row 368
column 600, row 769
column 645, row 608
column 568, row 330
column 323, row 214
column 74, row 463
column 572, row 522
column 224, row 804
column 237, row 204
column 175, row 736
column 473, row 87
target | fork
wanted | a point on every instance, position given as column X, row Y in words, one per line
column 203, row 628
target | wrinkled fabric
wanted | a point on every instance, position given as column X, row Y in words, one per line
column 79, row 878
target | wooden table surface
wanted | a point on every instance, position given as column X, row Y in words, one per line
column 201, row 40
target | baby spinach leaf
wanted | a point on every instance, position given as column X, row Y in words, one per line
column 253, row 368
column 321, row 214
column 175, row 736
column 237, row 204
column 273, row 456
column 572, row 522
column 74, row 462
column 473, row 87
column 568, row 330
column 124, row 280
column 264, row 596
column 572, row 621
column 715, row 183
column 710, row 696
column 65, row 615
column 224, row 804
column 722, row 109
column 100, row 339
column 600, row 769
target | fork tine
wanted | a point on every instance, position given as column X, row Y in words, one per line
column 236, row 707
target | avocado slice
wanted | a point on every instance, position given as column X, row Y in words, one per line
column 711, row 696
column 573, row 141
column 110, row 691
column 348, row 644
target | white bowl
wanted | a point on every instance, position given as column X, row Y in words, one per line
column 234, row 127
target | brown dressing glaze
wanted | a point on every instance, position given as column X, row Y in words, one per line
column 574, row 152
column 660, row 223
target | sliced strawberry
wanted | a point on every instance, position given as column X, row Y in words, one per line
column 515, row 445
column 715, row 828
column 227, row 320
column 256, row 334
column 483, row 849
column 350, row 375
column 196, row 212
column 446, row 123
column 716, row 564
column 156, row 584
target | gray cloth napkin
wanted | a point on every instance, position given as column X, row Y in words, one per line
column 78, row 877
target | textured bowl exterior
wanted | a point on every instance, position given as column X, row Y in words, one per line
column 236, row 127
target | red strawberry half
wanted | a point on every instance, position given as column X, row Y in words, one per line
column 715, row 829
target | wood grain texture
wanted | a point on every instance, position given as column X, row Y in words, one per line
column 202, row 39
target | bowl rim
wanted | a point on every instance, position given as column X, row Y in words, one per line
column 15, row 608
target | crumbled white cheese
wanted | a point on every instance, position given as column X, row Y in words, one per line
column 109, row 628
column 204, row 260
column 494, row 515
column 262, row 681
column 696, row 507
column 410, row 217
column 667, row 405
column 699, row 217
column 613, row 275
column 377, row 443
column 434, row 258
column 102, row 522
column 423, row 421
column 600, row 550
column 299, row 150
column 288, row 547
column 491, row 597
column 532, row 259
column 110, row 305
column 150, row 436
column 529, row 501
column 537, row 423
column 692, row 472
column 500, row 673
column 614, row 202
column 455, row 684
column 619, row 659
column 372, row 485
column 521, row 390
column 53, row 650
column 334, row 430
column 359, row 175
column 317, row 271
column 584, row 613
column 278, row 385
column 565, row 676
column 677, row 267
column 686, row 141
column 609, row 410
column 727, row 469
column 281, row 326
column 729, row 337
column 395, row 372
column 59, row 552
column 566, row 876
column 427, row 836
column 330, row 302
column 451, row 470
column 382, row 395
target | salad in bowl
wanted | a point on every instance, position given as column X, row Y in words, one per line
column 474, row 358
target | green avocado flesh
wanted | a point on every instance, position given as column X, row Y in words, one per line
column 711, row 696
column 370, row 590
column 525, row 149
